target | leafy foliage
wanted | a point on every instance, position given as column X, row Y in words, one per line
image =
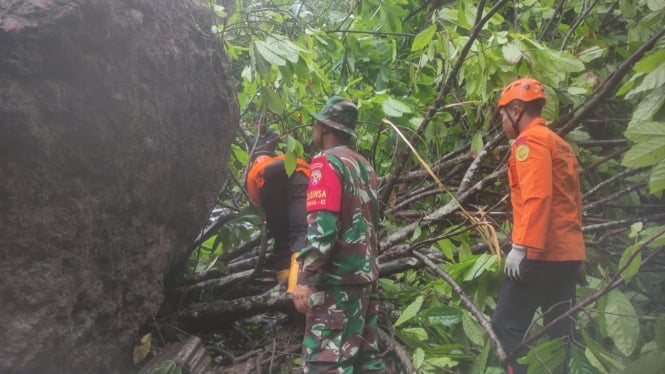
column 435, row 70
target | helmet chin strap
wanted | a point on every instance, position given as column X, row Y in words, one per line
column 515, row 122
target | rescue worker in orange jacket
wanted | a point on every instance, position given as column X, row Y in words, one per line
column 282, row 198
column 547, row 242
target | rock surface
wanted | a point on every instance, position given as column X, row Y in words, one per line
column 115, row 124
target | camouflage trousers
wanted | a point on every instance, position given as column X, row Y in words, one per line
column 341, row 330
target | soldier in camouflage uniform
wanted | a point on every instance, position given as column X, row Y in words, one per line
column 338, row 271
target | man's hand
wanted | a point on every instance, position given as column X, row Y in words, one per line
column 300, row 297
column 513, row 260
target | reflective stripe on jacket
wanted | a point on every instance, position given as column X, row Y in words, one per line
column 546, row 197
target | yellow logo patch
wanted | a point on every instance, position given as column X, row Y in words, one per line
column 522, row 152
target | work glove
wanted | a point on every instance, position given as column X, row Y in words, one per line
column 513, row 260
column 293, row 273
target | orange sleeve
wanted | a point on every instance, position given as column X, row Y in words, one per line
column 533, row 164
column 255, row 178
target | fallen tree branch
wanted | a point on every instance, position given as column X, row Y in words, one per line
column 405, row 231
column 468, row 304
column 625, row 173
column 213, row 284
column 400, row 352
column 468, row 176
column 622, row 222
column 218, row 310
column 615, row 195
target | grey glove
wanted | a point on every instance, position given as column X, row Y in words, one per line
column 515, row 256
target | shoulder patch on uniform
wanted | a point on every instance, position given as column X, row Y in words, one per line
column 325, row 189
column 520, row 140
column 522, row 152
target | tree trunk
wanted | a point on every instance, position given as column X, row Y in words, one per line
column 115, row 124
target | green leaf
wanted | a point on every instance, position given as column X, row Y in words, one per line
column 480, row 264
column 643, row 131
column 219, row 10
column 418, row 333
column 650, row 146
column 441, row 362
column 650, row 62
column 594, row 361
column 444, row 315
column 271, row 100
column 660, row 333
column 645, row 153
column 653, row 80
column 265, row 50
column 627, row 8
column 142, row 349
column 657, row 179
column 284, row 48
column 568, row 63
column 480, row 361
column 477, row 143
column 472, row 330
column 394, row 108
column 656, row 5
column 511, row 53
column 389, row 286
column 423, row 38
column 622, row 324
column 290, row 163
column 577, row 90
column 598, row 355
column 290, row 143
column 649, row 233
column 546, row 357
column 652, row 363
column 591, row 54
column 416, row 233
column 410, row 311
column 239, row 154
column 418, row 358
column 648, row 107
column 634, row 265
column 447, row 247
column 578, row 362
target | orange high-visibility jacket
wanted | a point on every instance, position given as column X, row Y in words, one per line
column 256, row 177
column 546, row 197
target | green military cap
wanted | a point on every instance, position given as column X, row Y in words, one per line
column 339, row 113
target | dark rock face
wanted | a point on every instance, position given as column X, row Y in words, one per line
column 115, row 124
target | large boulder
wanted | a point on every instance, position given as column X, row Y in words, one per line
column 115, row 124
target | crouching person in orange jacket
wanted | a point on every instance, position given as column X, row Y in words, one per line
column 282, row 198
column 548, row 246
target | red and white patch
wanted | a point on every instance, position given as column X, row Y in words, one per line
column 325, row 188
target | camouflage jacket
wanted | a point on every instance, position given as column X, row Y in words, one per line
column 342, row 219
